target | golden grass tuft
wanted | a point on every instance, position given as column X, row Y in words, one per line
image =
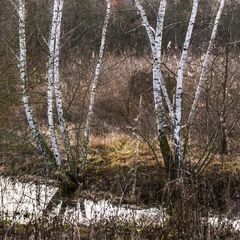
column 120, row 149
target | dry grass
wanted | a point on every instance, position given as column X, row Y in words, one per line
column 121, row 149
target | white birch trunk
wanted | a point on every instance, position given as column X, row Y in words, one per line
column 205, row 64
column 50, row 89
column 182, row 62
column 158, row 52
column 159, row 88
column 159, row 28
column 59, row 105
column 158, row 101
column 202, row 80
column 41, row 146
column 95, row 84
column 158, row 81
column 146, row 25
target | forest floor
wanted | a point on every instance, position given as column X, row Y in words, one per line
column 126, row 168
column 125, row 171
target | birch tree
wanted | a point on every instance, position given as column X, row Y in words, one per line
column 159, row 88
column 53, row 83
column 175, row 160
column 179, row 87
column 95, row 84
column 155, row 39
column 59, row 104
column 69, row 179
column 53, row 69
column 202, row 79
column 37, row 136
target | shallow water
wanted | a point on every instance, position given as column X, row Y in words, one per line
column 23, row 202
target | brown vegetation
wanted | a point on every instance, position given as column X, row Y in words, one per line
column 125, row 163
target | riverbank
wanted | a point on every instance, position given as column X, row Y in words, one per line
column 188, row 212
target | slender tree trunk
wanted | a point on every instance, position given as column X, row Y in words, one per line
column 162, row 136
column 94, row 85
column 156, row 47
column 59, row 105
column 158, row 54
column 159, row 87
column 202, row 79
column 38, row 138
column 50, row 91
column 179, row 87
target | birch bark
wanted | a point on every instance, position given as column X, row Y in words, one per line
column 95, row 84
column 182, row 62
column 41, row 145
column 156, row 46
column 159, row 87
column 158, row 53
column 202, row 79
column 156, row 67
column 59, row 104
column 51, row 60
